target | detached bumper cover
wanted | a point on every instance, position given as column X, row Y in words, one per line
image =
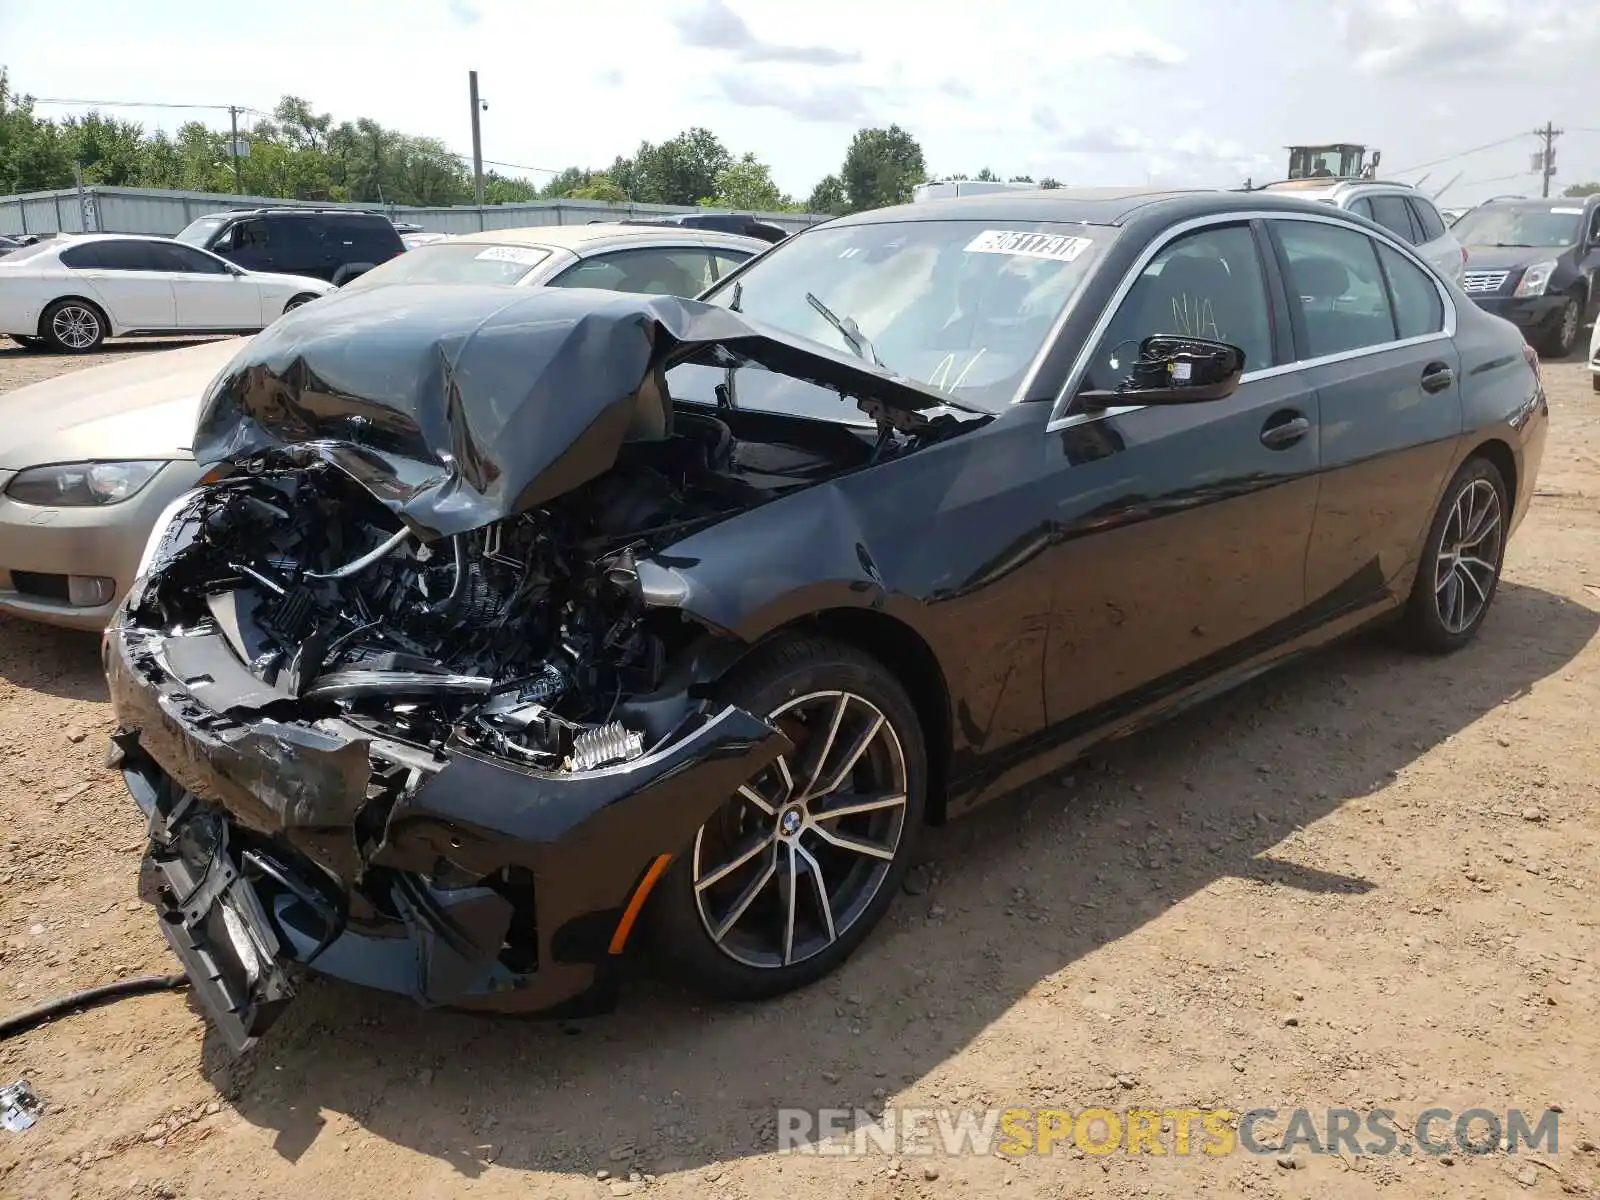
column 259, row 829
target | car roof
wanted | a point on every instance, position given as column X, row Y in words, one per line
column 1087, row 206
column 72, row 238
column 292, row 212
column 581, row 239
column 1319, row 189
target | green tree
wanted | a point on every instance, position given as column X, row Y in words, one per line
column 1582, row 189
column 828, row 196
column 680, row 170
column 987, row 176
column 601, row 187
column 110, row 151
column 33, row 155
column 1022, row 179
column 747, row 184
column 1049, row 181
column 881, row 167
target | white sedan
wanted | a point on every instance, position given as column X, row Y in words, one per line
column 71, row 293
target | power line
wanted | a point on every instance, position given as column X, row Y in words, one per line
column 133, row 104
column 1461, row 154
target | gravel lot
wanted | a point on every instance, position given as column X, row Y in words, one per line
column 1367, row 880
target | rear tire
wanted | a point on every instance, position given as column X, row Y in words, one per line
column 296, row 301
column 1594, row 381
column 73, row 326
column 775, row 841
column 1460, row 568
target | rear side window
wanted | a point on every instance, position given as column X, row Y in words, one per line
column 1362, row 207
column 1418, row 310
column 363, row 239
column 250, row 235
column 112, row 256
column 1335, row 279
column 675, row 272
column 1394, row 214
column 1427, row 218
column 728, row 261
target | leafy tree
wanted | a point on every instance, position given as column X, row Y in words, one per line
column 1022, row 179
column 987, row 176
column 33, row 155
column 881, row 167
column 828, row 197
column 747, row 184
column 1049, row 182
column 1582, row 189
column 680, row 170
column 601, row 187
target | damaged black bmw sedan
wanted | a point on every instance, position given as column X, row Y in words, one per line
column 512, row 630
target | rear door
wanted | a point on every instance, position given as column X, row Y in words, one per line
column 302, row 246
column 1181, row 531
column 126, row 277
column 1371, row 331
column 207, row 294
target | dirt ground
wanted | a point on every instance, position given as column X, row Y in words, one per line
column 1369, row 880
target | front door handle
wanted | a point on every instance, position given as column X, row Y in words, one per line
column 1436, row 377
column 1284, row 430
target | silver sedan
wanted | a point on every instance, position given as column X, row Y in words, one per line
column 88, row 460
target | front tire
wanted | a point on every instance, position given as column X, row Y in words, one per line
column 1564, row 336
column 73, row 326
column 789, row 876
column 1461, row 560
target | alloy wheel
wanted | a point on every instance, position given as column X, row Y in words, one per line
column 75, row 326
column 1469, row 556
column 791, row 862
column 1569, row 325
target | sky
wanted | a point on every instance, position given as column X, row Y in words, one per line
column 1141, row 91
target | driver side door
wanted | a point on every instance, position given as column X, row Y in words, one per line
column 1181, row 531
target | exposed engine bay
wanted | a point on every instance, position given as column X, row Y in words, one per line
column 520, row 638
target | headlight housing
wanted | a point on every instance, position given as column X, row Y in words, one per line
column 1536, row 278
column 82, row 484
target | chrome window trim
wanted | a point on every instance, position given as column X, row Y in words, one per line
column 1060, row 418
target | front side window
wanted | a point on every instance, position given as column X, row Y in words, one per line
column 250, row 235
column 727, row 262
column 1205, row 284
column 184, row 259
column 666, row 272
column 964, row 306
column 1335, row 281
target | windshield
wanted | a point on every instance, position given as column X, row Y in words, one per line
column 198, row 233
column 455, row 262
column 962, row 305
column 1548, row 225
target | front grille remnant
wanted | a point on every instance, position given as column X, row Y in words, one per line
column 1478, row 282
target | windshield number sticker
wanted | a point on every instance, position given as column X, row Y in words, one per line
column 511, row 254
column 1570, row 212
column 1058, row 246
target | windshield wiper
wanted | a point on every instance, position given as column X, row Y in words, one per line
column 1512, row 245
column 848, row 330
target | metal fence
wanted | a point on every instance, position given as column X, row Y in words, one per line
column 149, row 210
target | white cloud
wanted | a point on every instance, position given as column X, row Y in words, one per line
column 712, row 25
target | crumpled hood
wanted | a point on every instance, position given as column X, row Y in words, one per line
column 143, row 407
column 459, row 405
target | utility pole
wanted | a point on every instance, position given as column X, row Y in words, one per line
column 477, row 140
column 1547, row 158
column 233, row 147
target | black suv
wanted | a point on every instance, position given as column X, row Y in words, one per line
column 1535, row 263
column 326, row 243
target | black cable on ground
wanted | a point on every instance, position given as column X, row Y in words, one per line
column 135, row 986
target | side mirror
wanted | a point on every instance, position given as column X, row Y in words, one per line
column 1175, row 370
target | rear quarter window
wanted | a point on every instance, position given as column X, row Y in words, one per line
column 1427, row 218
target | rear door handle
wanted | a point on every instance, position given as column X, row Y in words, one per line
column 1436, row 377
column 1284, row 430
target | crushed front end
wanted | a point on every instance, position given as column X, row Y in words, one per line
column 442, row 769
